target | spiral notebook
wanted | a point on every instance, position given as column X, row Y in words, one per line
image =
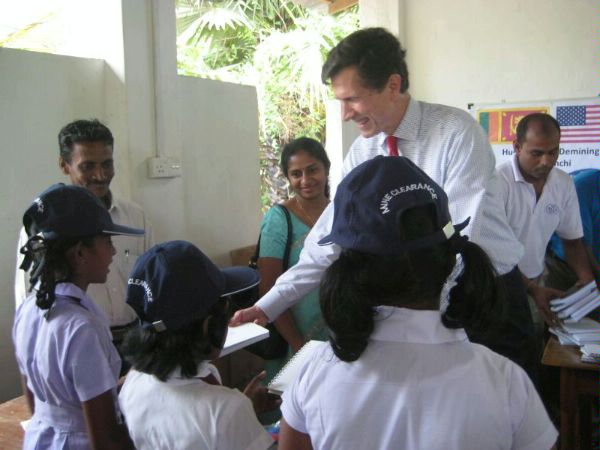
column 288, row 373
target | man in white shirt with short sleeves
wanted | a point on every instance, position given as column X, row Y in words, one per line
column 540, row 199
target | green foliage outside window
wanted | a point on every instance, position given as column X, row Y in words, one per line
column 275, row 45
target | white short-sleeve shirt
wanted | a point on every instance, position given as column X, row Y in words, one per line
column 418, row 385
column 188, row 413
column 534, row 220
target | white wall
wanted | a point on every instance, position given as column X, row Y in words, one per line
column 221, row 189
column 40, row 93
column 483, row 51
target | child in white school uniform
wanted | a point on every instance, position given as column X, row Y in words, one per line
column 68, row 364
column 398, row 373
column 172, row 397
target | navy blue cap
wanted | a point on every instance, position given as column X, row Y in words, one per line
column 71, row 211
column 174, row 283
column 370, row 201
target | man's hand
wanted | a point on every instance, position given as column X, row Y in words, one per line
column 252, row 314
column 262, row 400
column 542, row 296
column 583, row 282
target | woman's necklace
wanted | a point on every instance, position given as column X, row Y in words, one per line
column 311, row 220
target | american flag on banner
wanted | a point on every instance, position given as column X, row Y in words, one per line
column 579, row 123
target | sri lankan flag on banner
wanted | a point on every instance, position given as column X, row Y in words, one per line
column 500, row 125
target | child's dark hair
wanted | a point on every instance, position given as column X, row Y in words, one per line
column 358, row 282
column 159, row 353
column 49, row 265
column 310, row 146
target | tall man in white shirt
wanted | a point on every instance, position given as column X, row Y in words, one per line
column 369, row 76
column 540, row 199
column 86, row 157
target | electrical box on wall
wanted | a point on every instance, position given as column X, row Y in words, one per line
column 163, row 167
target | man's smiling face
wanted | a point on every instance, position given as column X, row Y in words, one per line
column 90, row 166
column 373, row 111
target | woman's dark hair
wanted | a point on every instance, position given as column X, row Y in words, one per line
column 310, row 146
column 159, row 353
column 358, row 282
column 49, row 265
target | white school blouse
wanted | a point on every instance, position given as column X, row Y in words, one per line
column 68, row 357
column 188, row 413
column 418, row 385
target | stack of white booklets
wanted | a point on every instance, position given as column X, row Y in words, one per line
column 576, row 329
column 590, row 353
column 584, row 332
column 577, row 304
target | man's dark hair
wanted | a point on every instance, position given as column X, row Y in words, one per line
column 376, row 54
column 82, row 131
column 159, row 353
column 548, row 125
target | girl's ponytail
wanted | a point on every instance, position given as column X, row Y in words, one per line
column 476, row 302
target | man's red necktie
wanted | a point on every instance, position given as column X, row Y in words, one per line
column 392, row 143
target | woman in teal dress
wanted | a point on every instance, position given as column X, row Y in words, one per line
column 306, row 167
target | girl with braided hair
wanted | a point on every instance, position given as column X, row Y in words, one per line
column 69, row 366
column 398, row 372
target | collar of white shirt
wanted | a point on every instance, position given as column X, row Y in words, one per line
column 519, row 176
column 205, row 369
column 71, row 290
column 414, row 326
column 408, row 129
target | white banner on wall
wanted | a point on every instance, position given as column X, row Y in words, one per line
column 579, row 120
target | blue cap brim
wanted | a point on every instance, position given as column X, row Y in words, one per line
column 123, row 230
column 329, row 239
column 239, row 279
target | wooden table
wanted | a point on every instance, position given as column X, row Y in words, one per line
column 577, row 380
column 12, row 413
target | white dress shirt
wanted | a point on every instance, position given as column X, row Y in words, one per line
column 534, row 220
column 448, row 145
column 418, row 385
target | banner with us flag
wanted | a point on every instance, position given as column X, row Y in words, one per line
column 579, row 123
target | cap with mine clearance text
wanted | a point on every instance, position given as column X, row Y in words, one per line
column 370, row 201
column 174, row 283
